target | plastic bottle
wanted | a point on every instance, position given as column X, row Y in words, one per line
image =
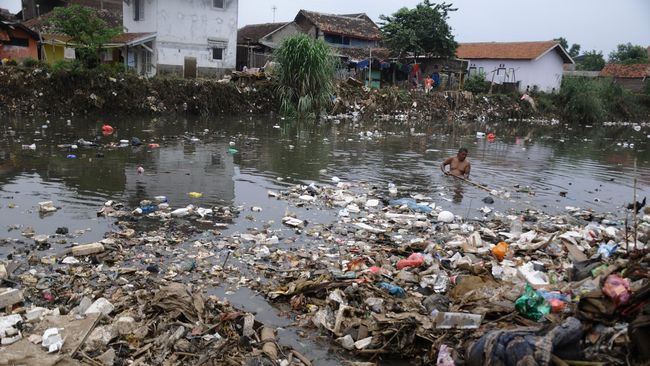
column 500, row 250
column 392, row 189
column 516, row 227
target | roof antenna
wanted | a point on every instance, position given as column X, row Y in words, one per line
column 274, row 8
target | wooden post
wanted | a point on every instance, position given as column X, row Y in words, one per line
column 635, row 208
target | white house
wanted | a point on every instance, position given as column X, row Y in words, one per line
column 192, row 37
column 527, row 65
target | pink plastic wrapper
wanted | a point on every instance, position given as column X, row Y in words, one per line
column 414, row 260
column 617, row 289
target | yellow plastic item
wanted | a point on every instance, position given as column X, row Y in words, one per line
column 195, row 194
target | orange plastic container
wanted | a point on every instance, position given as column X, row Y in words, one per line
column 500, row 250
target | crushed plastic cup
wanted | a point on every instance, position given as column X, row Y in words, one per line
column 414, row 260
column 500, row 251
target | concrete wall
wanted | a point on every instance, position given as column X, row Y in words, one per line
column 183, row 29
column 288, row 30
column 634, row 84
column 544, row 73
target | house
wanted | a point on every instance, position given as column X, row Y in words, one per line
column 256, row 42
column 55, row 46
column 631, row 77
column 192, row 37
column 523, row 65
column 350, row 35
column 17, row 41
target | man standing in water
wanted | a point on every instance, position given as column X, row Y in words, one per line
column 459, row 166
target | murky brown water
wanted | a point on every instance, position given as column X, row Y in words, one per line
column 592, row 168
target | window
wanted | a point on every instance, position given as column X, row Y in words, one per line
column 138, row 10
column 336, row 39
column 18, row 42
column 472, row 70
column 219, row 4
column 217, row 53
column 481, row 70
column 218, row 47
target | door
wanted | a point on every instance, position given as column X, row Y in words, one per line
column 189, row 70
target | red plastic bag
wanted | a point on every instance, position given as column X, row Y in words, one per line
column 414, row 260
column 617, row 289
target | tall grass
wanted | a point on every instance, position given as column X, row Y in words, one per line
column 587, row 100
column 305, row 75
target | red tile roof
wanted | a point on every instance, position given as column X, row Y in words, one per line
column 626, row 71
column 508, row 50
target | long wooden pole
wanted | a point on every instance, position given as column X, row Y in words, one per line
column 472, row 183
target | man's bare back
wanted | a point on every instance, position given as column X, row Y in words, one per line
column 459, row 166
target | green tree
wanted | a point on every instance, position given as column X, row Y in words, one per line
column 305, row 75
column 591, row 61
column 573, row 51
column 421, row 31
column 86, row 29
column 629, row 54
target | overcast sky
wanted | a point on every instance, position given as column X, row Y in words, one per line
column 594, row 24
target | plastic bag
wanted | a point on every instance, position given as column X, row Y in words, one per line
column 617, row 289
column 532, row 305
column 414, row 260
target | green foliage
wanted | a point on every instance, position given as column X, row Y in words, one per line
column 477, row 84
column 421, row 31
column 588, row 100
column 111, row 69
column 305, row 75
column 646, row 88
column 581, row 101
column 629, row 54
column 66, row 66
column 573, row 51
column 30, row 62
column 11, row 62
column 591, row 61
column 86, row 29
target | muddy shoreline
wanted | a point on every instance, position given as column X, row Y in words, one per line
column 37, row 92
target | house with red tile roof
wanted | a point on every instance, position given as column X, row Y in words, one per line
column 526, row 66
column 631, row 77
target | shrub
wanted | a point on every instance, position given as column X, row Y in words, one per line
column 11, row 63
column 305, row 75
column 66, row 66
column 30, row 62
column 477, row 84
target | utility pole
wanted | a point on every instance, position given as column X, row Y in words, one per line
column 370, row 70
column 274, row 8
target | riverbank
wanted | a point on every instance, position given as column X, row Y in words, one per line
column 35, row 91
column 43, row 92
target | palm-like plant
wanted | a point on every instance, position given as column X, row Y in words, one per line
column 305, row 75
